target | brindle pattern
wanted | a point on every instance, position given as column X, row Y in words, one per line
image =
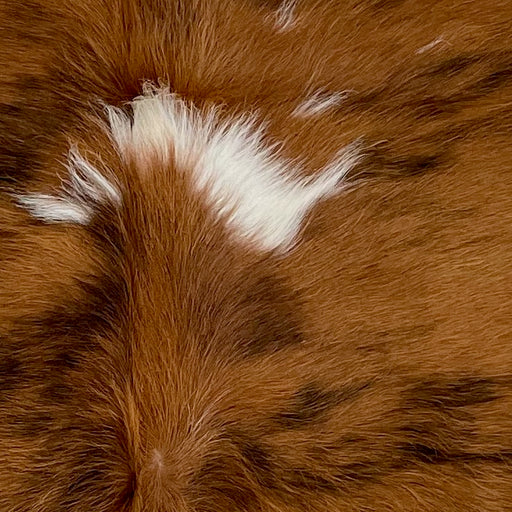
column 150, row 363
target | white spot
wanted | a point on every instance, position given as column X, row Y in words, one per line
column 255, row 192
column 318, row 103
column 285, row 15
column 431, row 45
column 85, row 189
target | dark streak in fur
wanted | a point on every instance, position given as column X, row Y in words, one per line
column 310, row 403
column 443, row 393
column 416, row 164
column 381, row 160
column 495, row 80
column 454, row 65
column 65, row 360
column 255, row 456
column 214, row 490
column 98, row 311
column 11, row 372
column 418, row 453
column 92, row 481
column 32, row 424
column 28, row 127
column 336, row 482
column 258, row 460
column 362, row 101
column 41, row 353
column 432, row 106
column 413, row 93
column 18, row 156
column 77, row 319
column 106, row 231
column 28, row 12
column 128, row 494
column 57, row 392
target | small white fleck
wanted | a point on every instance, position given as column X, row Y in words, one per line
column 285, row 15
column 55, row 209
column 431, row 45
column 157, row 460
column 319, row 102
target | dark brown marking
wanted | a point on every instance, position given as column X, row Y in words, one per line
column 274, row 310
column 413, row 165
column 11, row 372
column 495, row 80
column 255, row 456
column 77, row 320
column 443, row 393
column 454, row 65
column 414, row 453
column 32, row 424
column 89, row 484
column 213, row 487
column 310, row 404
column 381, row 160
column 67, row 359
column 57, row 392
column 28, row 127
column 106, row 230
column 423, row 453
column 258, row 460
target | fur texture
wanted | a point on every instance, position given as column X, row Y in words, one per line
column 170, row 342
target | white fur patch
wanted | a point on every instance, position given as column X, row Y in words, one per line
column 85, row 189
column 318, row 103
column 256, row 193
column 284, row 19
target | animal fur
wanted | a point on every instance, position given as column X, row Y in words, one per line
column 174, row 338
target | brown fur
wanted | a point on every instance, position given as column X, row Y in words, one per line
column 149, row 363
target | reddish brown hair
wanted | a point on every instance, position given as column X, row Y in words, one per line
column 151, row 361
